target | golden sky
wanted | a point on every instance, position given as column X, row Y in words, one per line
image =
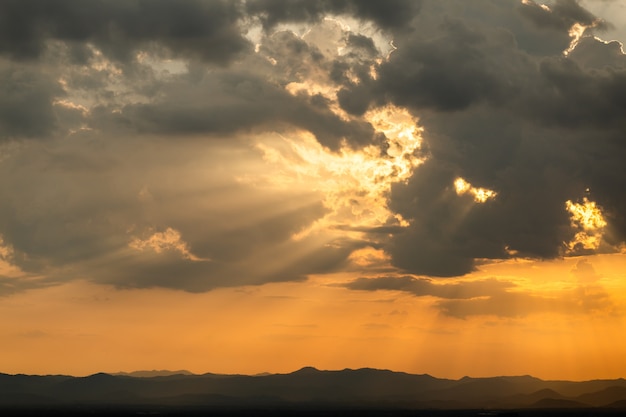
column 246, row 187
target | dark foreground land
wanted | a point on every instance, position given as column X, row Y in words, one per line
column 203, row 412
column 308, row 393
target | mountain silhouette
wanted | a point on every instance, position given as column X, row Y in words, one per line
column 548, row 403
column 308, row 388
column 153, row 373
column 609, row 395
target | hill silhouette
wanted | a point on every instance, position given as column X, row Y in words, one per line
column 153, row 373
column 308, row 388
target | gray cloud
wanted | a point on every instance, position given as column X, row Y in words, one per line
column 205, row 29
column 111, row 197
column 388, row 14
column 137, row 216
column 561, row 16
column 230, row 101
column 26, row 96
column 492, row 296
column 504, row 109
column 421, row 287
column 500, row 104
column 590, row 53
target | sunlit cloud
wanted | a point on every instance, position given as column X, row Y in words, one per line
column 588, row 217
column 480, row 194
column 7, row 267
column 158, row 242
column 354, row 183
column 576, row 32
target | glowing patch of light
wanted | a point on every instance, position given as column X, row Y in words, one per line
column 354, row 183
column 7, row 268
column 100, row 63
column 392, row 48
column 481, row 195
column 576, row 32
column 369, row 256
column 71, row 106
column 168, row 240
column 312, row 88
column 374, row 70
column 6, row 251
column 588, row 217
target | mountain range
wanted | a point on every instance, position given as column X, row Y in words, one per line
column 309, row 388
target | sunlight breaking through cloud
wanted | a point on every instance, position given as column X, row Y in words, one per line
column 588, row 217
column 160, row 242
column 354, row 183
column 481, row 195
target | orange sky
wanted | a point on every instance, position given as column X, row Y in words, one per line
column 81, row 328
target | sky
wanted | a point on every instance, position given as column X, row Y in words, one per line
column 256, row 186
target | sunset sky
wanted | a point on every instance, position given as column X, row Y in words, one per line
column 434, row 186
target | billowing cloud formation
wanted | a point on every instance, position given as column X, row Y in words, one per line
column 206, row 29
column 26, row 102
column 389, row 15
column 503, row 108
column 141, row 142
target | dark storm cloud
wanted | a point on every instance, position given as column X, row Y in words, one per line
column 362, row 42
column 249, row 94
column 500, row 104
column 561, row 15
column 457, row 57
column 205, row 29
column 387, row 14
column 590, row 53
column 508, row 114
column 109, row 196
column 26, row 96
column 234, row 101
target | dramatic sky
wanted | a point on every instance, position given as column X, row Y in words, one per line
column 434, row 186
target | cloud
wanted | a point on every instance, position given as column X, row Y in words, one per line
column 562, row 15
column 26, row 101
column 231, row 101
column 389, row 14
column 585, row 300
column 504, row 109
column 493, row 297
column 204, row 29
column 585, row 272
column 422, row 287
column 130, row 134
column 144, row 214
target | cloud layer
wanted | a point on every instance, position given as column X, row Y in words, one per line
column 130, row 137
